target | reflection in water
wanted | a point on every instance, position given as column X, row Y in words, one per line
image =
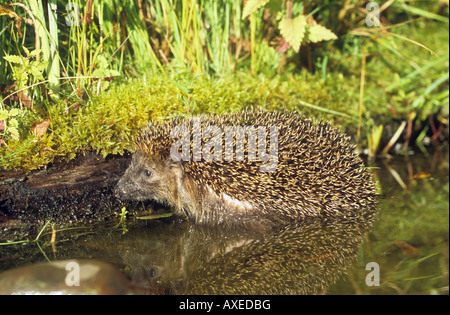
column 181, row 258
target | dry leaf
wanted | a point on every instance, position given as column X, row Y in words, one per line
column 407, row 249
column 283, row 47
column 421, row 175
column 25, row 99
column 40, row 129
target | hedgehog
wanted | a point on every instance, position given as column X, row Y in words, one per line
column 250, row 167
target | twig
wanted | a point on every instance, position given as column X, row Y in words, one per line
column 37, row 42
column 394, row 138
column 396, row 176
column 46, row 81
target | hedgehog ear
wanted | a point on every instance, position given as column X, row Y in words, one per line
column 171, row 163
column 177, row 165
column 177, row 168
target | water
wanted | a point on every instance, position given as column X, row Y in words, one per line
column 410, row 237
column 403, row 249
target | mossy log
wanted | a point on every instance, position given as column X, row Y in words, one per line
column 67, row 194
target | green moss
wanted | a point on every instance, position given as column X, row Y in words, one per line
column 108, row 123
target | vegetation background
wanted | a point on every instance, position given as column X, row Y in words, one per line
column 87, row 75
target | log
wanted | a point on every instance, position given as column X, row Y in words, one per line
column 74, row 193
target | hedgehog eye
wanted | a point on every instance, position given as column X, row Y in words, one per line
column 153, row 273
column 148, row 173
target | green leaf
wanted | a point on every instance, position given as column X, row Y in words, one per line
column 253, row 5
column 40, row 65
column 183, row 88
column 293, row 30
column 36, row 69
column 13, row 59
column 14, row 133
column 424, row 13
column 105, row 73
column 4, row 114
column 113, row 73
column 14, row 112
column 13, row 123
column 101, row 62
column 21, row 77
column 25, row 49
column 275, row 5
column 318, row 33
column 155, row 216
column 34, row 53
column 12, row 129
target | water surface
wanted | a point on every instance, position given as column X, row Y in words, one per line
column 407, row 241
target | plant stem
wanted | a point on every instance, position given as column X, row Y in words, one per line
column 361, row 96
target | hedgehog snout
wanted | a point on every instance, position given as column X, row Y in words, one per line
column 118, row 191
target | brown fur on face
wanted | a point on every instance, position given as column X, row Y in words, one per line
column 145, row 180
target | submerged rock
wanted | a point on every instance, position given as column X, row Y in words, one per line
column 65, row 277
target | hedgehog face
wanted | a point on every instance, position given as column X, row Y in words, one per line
column 144, row 180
